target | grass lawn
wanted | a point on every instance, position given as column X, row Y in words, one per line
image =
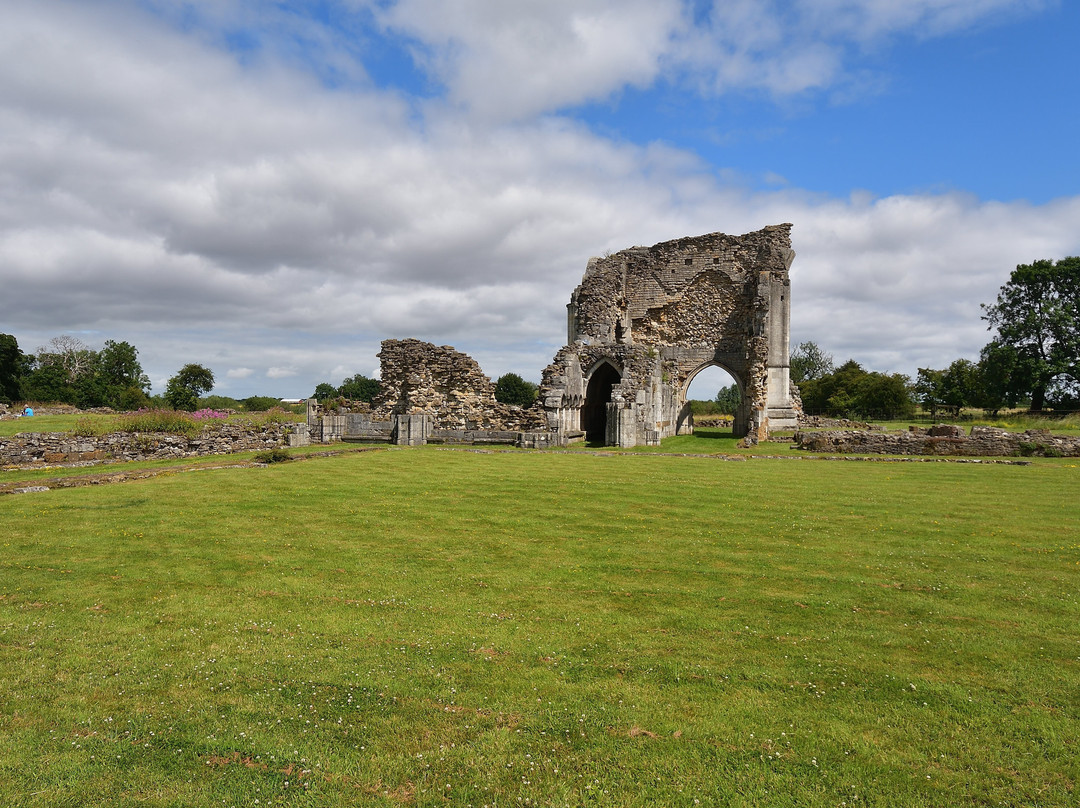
column 434, row 627
column 42, row 423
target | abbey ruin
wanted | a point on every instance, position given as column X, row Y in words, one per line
column 640, row 326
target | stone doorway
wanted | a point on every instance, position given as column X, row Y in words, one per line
column 597, row 398
column 704, row 384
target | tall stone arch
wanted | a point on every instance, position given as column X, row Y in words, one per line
column 741, row 416
column 660, row 314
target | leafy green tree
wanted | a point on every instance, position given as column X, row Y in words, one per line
column 1001, row 381
column 950, row 390
column 512, row 389
column 808, row 361
column 48, row 383
column 833, row 393
column 883, row 395
column 960, row 385
column 260, row 403
column 12, row 367
column 183, row 390
column 130, row 399
column 852, row 392
column 119, row 369
column 359, row 388
column 324, row 391
column 1037, row 315
column 728, row 399
column 928, row 389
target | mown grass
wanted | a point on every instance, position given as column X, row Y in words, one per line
column 180, row 423
column 40, row 423
column 429, row 627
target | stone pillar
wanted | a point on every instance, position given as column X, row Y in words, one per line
column 780, row 410
column 411, row 429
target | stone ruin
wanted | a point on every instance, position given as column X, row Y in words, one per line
column 645, row 321
column 642, row 323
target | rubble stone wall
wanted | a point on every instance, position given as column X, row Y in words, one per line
column 944, row 440
column 418, row 377
column 59, row 447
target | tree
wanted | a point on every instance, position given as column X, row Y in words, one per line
column 833, row 393
column 1001, row 383
column 849, row 391
column 808, row 361
column 119, row 369
column 70, row 353
column 928, row 385
column 183, row 390
column 260, row 403
column 883, row 395
column 1037, row 315
column 12, row 367
column 359, row 388
column 512, row 389
column 324, row 391
column 952, row 389
column 728, row 399
column 960, row 385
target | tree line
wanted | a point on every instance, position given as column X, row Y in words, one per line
column 68, row 371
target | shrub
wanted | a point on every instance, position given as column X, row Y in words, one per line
column 219, row 403
column 276, row 455
column 171, row 422
column 87, row 427
column 260, row 403
column 133, row 398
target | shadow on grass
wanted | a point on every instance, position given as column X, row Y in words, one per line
column 713, row 433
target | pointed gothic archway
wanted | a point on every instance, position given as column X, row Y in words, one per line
column 597, row 397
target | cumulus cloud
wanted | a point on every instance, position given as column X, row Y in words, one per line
column 157, row 189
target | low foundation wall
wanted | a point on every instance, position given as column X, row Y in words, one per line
column 944, row 440
column 58, row 447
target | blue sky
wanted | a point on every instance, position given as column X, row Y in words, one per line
column 271, row 189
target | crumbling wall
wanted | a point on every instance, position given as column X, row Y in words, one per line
column 660, row 314
column 943, row 440
column 30, row 448
column 419, row 377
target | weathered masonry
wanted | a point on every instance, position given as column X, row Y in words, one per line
column 645, row 321
column 641, row 325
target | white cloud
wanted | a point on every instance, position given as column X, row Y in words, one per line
column 154, row 191
column 508, row 61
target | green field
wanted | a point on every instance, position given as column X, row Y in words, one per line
column 451, row 627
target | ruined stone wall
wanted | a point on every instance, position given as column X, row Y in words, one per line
column 689, row 292
column 60, row 447
column 943, row 440
column 662, row 313
column 418, row 377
